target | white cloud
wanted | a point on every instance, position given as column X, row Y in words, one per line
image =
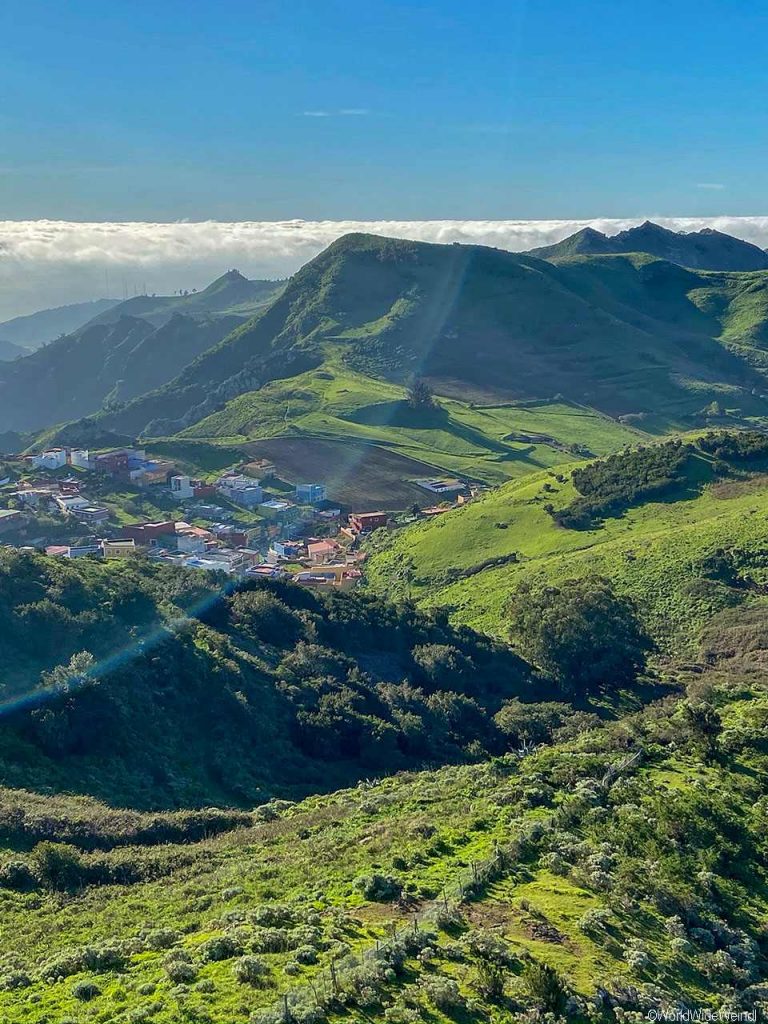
column 716, row 186
column 344, row 112
column 48, row 263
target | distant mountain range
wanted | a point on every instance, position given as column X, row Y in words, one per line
column 623, row 333
column 9, row 351
column 124, row 351
column 34, row 330
column 701, row 250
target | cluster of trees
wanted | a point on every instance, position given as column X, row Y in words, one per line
column 278, row 691
column 580, row 633
column 736, row 446
column 612, row 485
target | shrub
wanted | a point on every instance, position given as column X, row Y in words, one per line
column 636, row 957
column 271, row 940
column 17, row 875
column 222, row 947
column 595, row 920
column 15, row 980
column 161, row 938
column 180, row 972
column 443, row 993
column 86, row 990
column 306, row 955
column 250, row 970
column 379, row 888
column 448, row 919
column 274, row 915
column 57, row 865
column 545, row 986
column 489, row 980
column 109, row 957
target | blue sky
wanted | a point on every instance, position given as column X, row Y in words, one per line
column 336, row 109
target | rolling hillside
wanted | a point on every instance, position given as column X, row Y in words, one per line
column 700, row 250
column 619, row 869
column 657, row 550
column 626, row 336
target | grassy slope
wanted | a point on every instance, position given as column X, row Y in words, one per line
column 435, row 832
column 650, row 552
column 333, row 403
column 485, row 322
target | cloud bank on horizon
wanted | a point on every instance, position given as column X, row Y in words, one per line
column 51, row 263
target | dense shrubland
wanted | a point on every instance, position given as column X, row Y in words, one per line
column 609, row 486
column 276, row 690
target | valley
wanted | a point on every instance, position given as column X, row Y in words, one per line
column 389, row 643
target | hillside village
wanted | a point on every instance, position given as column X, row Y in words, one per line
column 244, row 521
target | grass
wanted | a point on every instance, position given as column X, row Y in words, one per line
column 434, row 831
column 651, row 552
column 333, row 405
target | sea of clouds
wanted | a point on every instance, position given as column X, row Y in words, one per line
column 51, row 263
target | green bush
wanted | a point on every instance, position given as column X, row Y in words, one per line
column 250, row 970
column 222, row 947
column 85, row 991
column 379, row 888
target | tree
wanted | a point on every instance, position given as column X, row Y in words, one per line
column 580, row 633
column 546, row 987
column 704, row 726
column 420, row 395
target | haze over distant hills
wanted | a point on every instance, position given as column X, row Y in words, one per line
column 34, row 330
column 706, row 249
column 50, row 263
column 125, row 350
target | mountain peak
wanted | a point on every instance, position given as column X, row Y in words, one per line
column 706, row 249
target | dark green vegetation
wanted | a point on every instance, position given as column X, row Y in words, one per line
column 272, row 691
column 613, row 485
column 701, row 250
column 123, row 352
column 580, row 634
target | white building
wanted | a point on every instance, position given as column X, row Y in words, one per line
column 55, row 458
column 80, row 458
column 181, row 488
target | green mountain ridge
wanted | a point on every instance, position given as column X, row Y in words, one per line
column 75, row 375
column 129, row 348
column 490, row 325
column 706, row 249
column 232, row 293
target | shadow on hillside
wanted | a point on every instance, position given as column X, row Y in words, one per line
column 401, row 414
